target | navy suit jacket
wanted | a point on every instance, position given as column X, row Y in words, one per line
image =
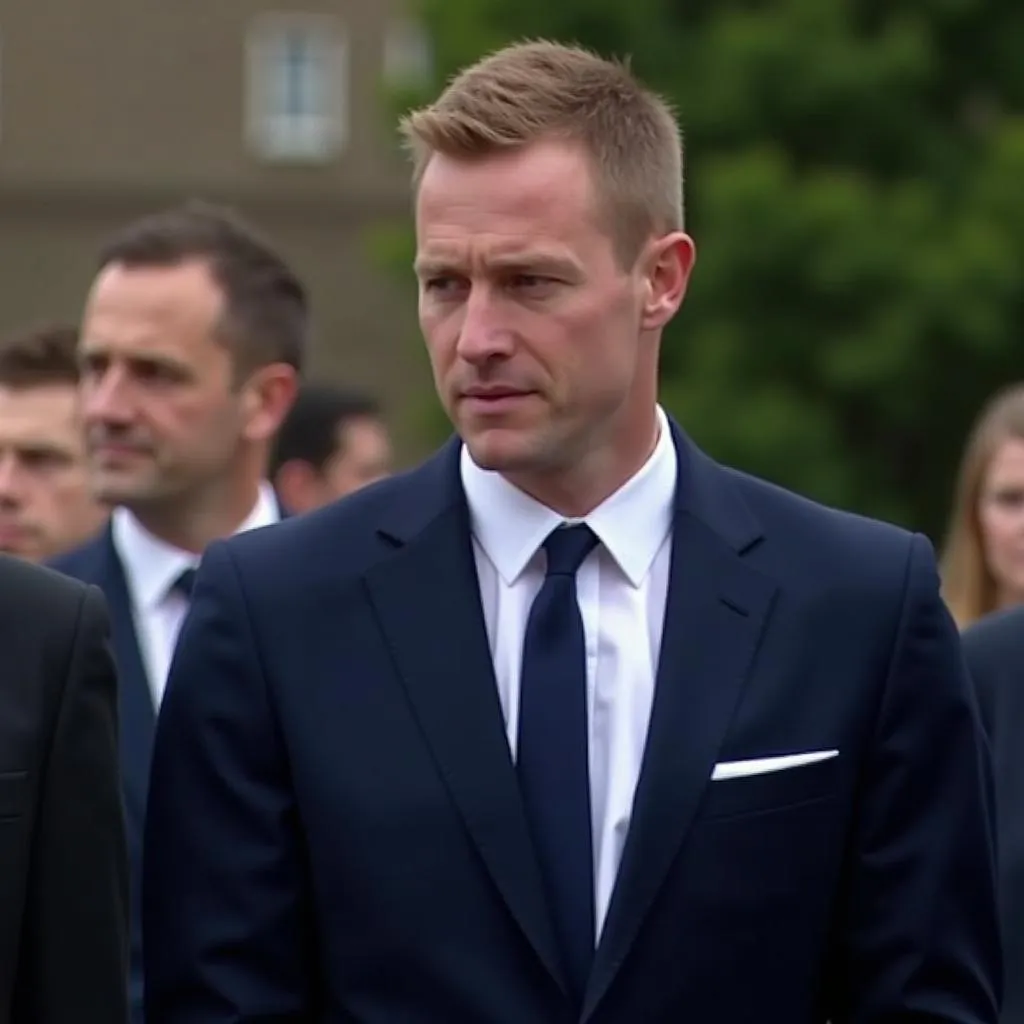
column 97, row 562
column 994, row 649
column 335, row 831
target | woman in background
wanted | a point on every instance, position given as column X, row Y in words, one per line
column 983, row 561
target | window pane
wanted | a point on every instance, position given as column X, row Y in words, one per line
column 298, row 87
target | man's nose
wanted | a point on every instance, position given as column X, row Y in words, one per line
column 10, row 480
column 106, row 398
column 484, row 334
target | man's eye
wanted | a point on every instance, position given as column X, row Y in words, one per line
column 440, row 283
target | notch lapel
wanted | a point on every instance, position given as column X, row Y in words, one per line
column 427, row 601
column 138, row 716
column 716, row 610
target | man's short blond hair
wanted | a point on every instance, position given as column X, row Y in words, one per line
column 536, row 91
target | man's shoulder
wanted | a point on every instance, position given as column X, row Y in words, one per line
column 832, row 558
column 999, row 634
column 83, row 562
column 30, row 593
column 341, row 539
column 818, row 530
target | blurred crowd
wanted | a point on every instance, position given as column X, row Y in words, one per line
column 134, row 393
column 175, row 414
column 159, row 405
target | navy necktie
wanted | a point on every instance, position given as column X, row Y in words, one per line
column 184, row 583
column 551, row 758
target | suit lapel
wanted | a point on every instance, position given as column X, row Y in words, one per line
column 428, row 603
column 138, row 717
column 715, row 614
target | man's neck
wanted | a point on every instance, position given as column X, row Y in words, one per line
column 194, row 526
column 576, row 492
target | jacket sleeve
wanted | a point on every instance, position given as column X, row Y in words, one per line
column 921, row 936
column 75, row 967
column 226, row 918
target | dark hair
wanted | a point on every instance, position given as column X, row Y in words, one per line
column 311, row 430
column 266, row 317
column 38, row 356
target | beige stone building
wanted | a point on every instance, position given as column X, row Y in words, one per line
column 112, row 108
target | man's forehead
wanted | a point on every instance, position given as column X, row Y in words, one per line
column 165, row 337
column 37, row 415
column 152, row 301
column 48, row 397
column 138, row 338
column 542, row 169
column 156, row 283
column 541, row 193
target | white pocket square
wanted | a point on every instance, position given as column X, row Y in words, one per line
column 763, row 765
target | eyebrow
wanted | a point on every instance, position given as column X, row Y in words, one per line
column 30, row 447
column 424, row 267
column 97, row 350
column 536, row 261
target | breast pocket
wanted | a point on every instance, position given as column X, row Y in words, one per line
column 13, row 795
column 771, row 791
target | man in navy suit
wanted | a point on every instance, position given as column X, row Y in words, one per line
column 191, row 340
column 994, row 651
column 570, row 723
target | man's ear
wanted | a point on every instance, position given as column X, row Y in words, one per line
column 669, row 262
column 268, row 396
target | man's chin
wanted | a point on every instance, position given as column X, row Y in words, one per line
column 501, row 450
column 113, row 490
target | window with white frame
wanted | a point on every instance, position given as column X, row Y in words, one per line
column 297, row 87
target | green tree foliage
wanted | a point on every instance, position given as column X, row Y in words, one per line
column 855, row 187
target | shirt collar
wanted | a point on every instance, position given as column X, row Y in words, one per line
column 152, row 565
column 632, row 523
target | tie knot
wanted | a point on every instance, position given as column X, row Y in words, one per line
column 184, row 583
column 566, row 548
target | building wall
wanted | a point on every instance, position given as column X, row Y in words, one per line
column 114, row 108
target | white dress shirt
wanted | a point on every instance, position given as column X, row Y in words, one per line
column 622, row 588
column 151, row 567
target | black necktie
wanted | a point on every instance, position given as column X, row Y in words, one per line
column 184, row 583
column 551, row 759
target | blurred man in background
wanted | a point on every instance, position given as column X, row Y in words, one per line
column 191, row 344
column 332, row 443
column 46, row 506
column 994, row 650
